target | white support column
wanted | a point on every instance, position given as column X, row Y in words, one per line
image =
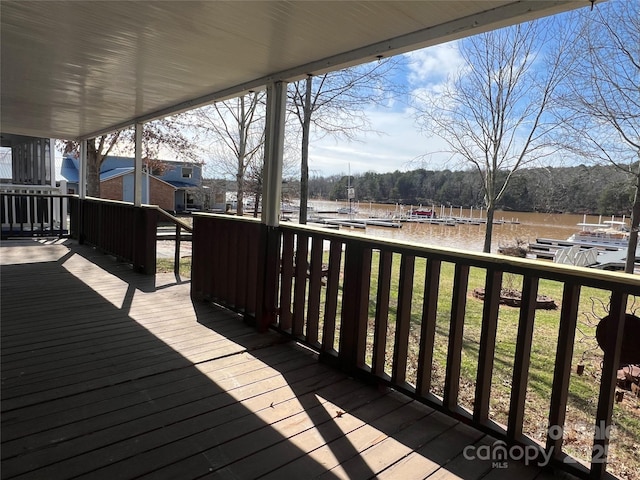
column 82, row 171
column 273, row 153
column 137, row 171
column 50, row 166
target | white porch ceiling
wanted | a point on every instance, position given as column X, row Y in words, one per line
column 74, row 69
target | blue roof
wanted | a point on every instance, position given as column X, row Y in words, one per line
column 115, row 166
column 116, row 172
column 69, row 169
column 179, row 184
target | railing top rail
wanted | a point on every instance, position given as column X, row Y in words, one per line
column 175, row 220
column 14, row 186
column 582, row 275
column 32, row 194
column 119, row 202
column 231, row 218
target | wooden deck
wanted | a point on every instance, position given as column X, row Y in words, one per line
column 111, row 374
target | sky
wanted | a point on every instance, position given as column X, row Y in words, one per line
column 402, row 145
column 396, row 142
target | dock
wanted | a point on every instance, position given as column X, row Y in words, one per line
column 546, row 248
column 607, row 258
column 362, row 222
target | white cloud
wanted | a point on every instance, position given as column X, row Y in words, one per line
column 433, row 65
column 400, row 147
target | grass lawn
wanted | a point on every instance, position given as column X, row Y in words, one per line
column 165, row 265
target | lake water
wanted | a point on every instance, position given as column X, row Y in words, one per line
column 463, row 236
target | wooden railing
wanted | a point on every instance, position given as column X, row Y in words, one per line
column 227, row 250
column 34, row 214
column 401, row 315
column 120, row 229
column 179, row 225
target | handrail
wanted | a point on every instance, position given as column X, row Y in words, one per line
column 175, row 220
column 179, row 226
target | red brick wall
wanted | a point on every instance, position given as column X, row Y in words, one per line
column 111, row 189
column 162, row 194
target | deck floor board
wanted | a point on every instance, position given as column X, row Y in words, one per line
column 110, row 374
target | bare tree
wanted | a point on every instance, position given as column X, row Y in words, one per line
column 334, row 104
column 157, row 136
column 494, row 115
column 237, row 126
column 97, row 150
column 602, row 119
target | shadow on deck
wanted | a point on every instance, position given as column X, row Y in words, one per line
column 111, row 374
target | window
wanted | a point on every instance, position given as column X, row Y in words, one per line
column 187, row 172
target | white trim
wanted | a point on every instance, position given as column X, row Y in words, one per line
column 273, row 153
column 137, row 168
column 82, row 170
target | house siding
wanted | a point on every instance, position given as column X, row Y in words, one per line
column 161, row 193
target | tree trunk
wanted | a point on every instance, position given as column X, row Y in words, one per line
column 256, row 205
column 489, row 230
column 633, row 236
column 93, row 173
column 240, row 195
column 304, row 162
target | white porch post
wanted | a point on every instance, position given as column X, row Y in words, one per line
column 137, row 170
column 273, row 153
column 82, row 171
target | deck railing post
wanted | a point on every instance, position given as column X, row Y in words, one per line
column 382, row 312
column 331, row 304
column 300, row 287
column 487, row 345
column 176, row 257
column 611, row 364
column 428, row 326
column 80, row 225
column 144, row 238
column 456, row 329
column 561, row 375
column 268, row 275
column 403, row 319
column 522, row 357
column 355, row 303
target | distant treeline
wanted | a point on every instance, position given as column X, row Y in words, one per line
column 599, row 189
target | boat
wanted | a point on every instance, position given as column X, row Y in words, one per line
column 609, row 233
column 422, row 213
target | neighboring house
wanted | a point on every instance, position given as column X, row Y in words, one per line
column 177, row 189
